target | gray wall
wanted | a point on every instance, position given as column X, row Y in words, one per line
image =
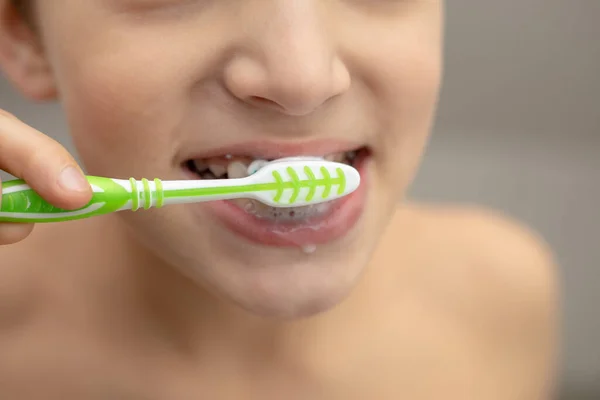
column 518, row 129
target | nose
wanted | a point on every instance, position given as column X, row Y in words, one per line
column 287, row 62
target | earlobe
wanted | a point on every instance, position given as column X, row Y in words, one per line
column 22, row 58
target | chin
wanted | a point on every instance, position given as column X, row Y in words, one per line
column 292, row 291
column 266, row 281
column 286, row 282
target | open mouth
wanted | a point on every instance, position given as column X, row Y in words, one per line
column 232, row 166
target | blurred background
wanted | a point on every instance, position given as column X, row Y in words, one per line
column 518, row 130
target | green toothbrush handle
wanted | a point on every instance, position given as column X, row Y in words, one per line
column 20, row 203
column 293, row 183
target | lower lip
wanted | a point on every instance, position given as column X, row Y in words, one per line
column 336, row 224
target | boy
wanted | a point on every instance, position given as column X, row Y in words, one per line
column 375, row 298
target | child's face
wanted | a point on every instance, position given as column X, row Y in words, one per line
column 148, row 85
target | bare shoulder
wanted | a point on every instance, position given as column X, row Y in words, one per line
column 30, row 272
column 31, row 268
column 501, row 264
column 22, row 305
column 505, row 255
column 33, row 282
column 498, row 277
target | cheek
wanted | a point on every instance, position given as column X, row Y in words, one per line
column 412, row 94
column 407, row 86
column 109, row 136
column 121, row 105
column 401, row 71
column 409, row 89
column 117, row 117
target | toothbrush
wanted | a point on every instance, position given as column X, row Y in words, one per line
column 290, row 182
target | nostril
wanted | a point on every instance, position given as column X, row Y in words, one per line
column 263, row 102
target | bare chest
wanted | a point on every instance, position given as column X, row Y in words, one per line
column 420, row 359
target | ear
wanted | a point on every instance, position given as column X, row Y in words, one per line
column 22, row 58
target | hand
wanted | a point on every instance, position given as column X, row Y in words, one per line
column 45, row 165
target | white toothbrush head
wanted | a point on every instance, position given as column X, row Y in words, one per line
column 303, row 181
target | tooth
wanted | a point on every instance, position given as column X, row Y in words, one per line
column 335, row 157
column 236, row 170
column 351, row 155
column 199, row 165
column 208, row 175
column 217, row 170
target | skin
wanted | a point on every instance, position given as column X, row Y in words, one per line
column 446, row 301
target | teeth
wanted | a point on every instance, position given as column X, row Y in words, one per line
column 199, row 165
column 218, row 170
column 236, row 167
column 336, row 157
column 237, row 170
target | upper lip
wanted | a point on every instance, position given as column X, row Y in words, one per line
column 270, row 150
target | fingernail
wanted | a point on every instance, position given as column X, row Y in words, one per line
column 72, row 179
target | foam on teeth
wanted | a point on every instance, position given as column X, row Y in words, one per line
column 275, row 214
column 255, row 166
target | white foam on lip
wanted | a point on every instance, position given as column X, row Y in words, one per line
column 309, row 248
